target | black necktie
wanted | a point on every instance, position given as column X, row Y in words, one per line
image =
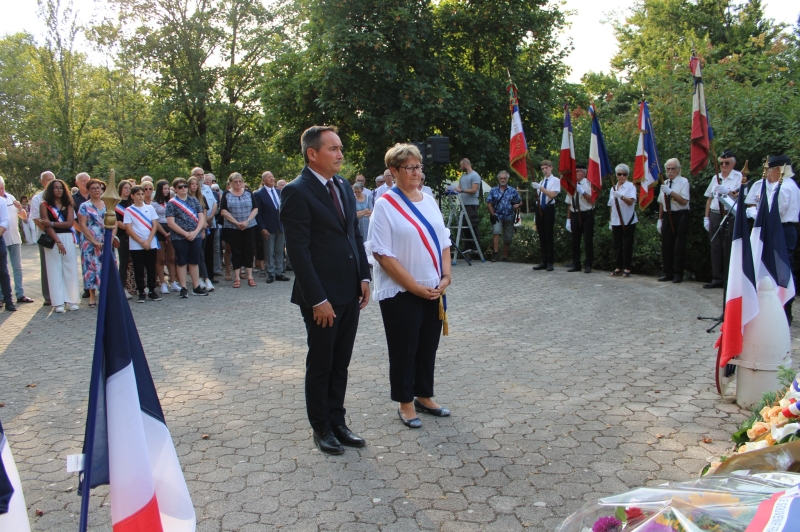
column 335, row 197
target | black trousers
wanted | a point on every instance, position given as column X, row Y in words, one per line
column 243, row 246
column 790, row 235
column 545, row 224
column 329, row 352
column 720, row 246
column 472, row 212
column 124, row 257
column 144, row 259
column 584, row 230
column 673, row 243
column 623, row 245
column 43, row 273
column 413, row 329
column 208, row 253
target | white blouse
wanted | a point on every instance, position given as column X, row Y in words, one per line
column 392, row 235
column 628, row 190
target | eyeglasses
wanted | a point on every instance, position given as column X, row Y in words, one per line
column 182, row 186
column 725, row 163
column 147, row 188
column 622, row 173
column 412, row 168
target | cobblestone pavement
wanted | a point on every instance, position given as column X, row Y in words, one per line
column 564, row 387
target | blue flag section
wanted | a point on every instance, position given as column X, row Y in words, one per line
column 127, row 444
column 770, row 256
column 778, row 264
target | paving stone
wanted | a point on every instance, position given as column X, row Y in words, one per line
column 545, row 417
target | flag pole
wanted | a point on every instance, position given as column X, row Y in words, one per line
column 111, row 198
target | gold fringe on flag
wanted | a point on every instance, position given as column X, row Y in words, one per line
column 443, row 317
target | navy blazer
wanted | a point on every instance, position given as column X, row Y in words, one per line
column 268, row 216
column 328, row 258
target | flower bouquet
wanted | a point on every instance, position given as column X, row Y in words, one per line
column 711, row 503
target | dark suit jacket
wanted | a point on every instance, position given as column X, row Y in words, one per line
column 268, row 216
column 328, row 259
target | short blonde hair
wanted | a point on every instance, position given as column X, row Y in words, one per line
column 400, row 153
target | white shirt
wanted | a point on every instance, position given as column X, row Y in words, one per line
column 381, row 190
column 138, row 227
column 392, row 235
column 551, row 183
column 680, row 185
column 733, row 182
column 585, row 205
column 427, row 190
column 335, row 188
column 4, row 219
column 11, row 236
column 272, row 192
column 788, row 201
column 208, row 194
column 628, row 190
column 36, row 201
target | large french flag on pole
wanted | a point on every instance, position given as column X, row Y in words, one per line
column 741, row 297
column 771, row 259
column 701, row 131
column 646, row 168
column 13, row 512
column 566, row 161
column 599, row 164
column 127, row 444
column 518, row 149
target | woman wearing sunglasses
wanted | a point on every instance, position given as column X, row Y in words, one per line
column 622, row 201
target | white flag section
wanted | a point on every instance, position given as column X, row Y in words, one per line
column 16, row 519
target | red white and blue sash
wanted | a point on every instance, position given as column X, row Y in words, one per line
column 57, row 215
column 140, row 217
column 119, row 209
column 431, row 241
column 185, row 208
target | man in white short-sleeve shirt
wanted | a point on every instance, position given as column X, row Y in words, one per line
column 673, row 221
column 547, row 191
column 724, row 185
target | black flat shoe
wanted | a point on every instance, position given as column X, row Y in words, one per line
column 410, row 423
column 550, row 268
column 281, row 277
column 665, row 278
column 438, row 412
column 587, row 269
column 540, row 267
column 574, row 269
column 346, row 436
column 327, row 442
column 678, row 279
column 713, row 284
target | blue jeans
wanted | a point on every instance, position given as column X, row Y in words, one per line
column 15, row 259
column 5, row 280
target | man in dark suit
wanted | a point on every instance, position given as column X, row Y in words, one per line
column 268, row 199
column 325, row 247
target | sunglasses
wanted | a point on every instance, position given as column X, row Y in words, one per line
column 725, row 163
column 182, row 186
column 620, row 173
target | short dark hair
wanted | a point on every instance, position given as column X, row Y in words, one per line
column 135, row 189
column 178, row 181
column 312, row 138
column 92, row 182
column 50, row 198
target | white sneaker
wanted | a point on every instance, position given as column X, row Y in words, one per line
column 209, row 286
column 73, row 306
column 128, row 295
column 175, row 286
column 164, row 288
column 60, row 309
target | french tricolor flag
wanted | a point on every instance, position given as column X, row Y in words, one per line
column 646, row 168
column 701, row 131
column 599, row 163
column 127, row 444
column 566, row 161
column 769, row 246
column 13, row 512
column 518, row 147
column 741, row 297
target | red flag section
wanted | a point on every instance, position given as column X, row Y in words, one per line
column 566, row 162
column 518, row 149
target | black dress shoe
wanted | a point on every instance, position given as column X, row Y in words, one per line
column 713, row 284
column 270, row 279
column 85, row 294
column 46, row 303
column 410, row 423
column 587, row 269
column 439, row 412
column 665, row 278
column 281, row 277
column 346, row 436
column 550, row 268
column 11, row 307
column 574, row 269
column 541, row 266
column 678, row 279
column 327, row 442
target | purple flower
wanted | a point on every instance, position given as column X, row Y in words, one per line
column 607, row 524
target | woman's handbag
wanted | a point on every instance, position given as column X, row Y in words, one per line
column 46, row 240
